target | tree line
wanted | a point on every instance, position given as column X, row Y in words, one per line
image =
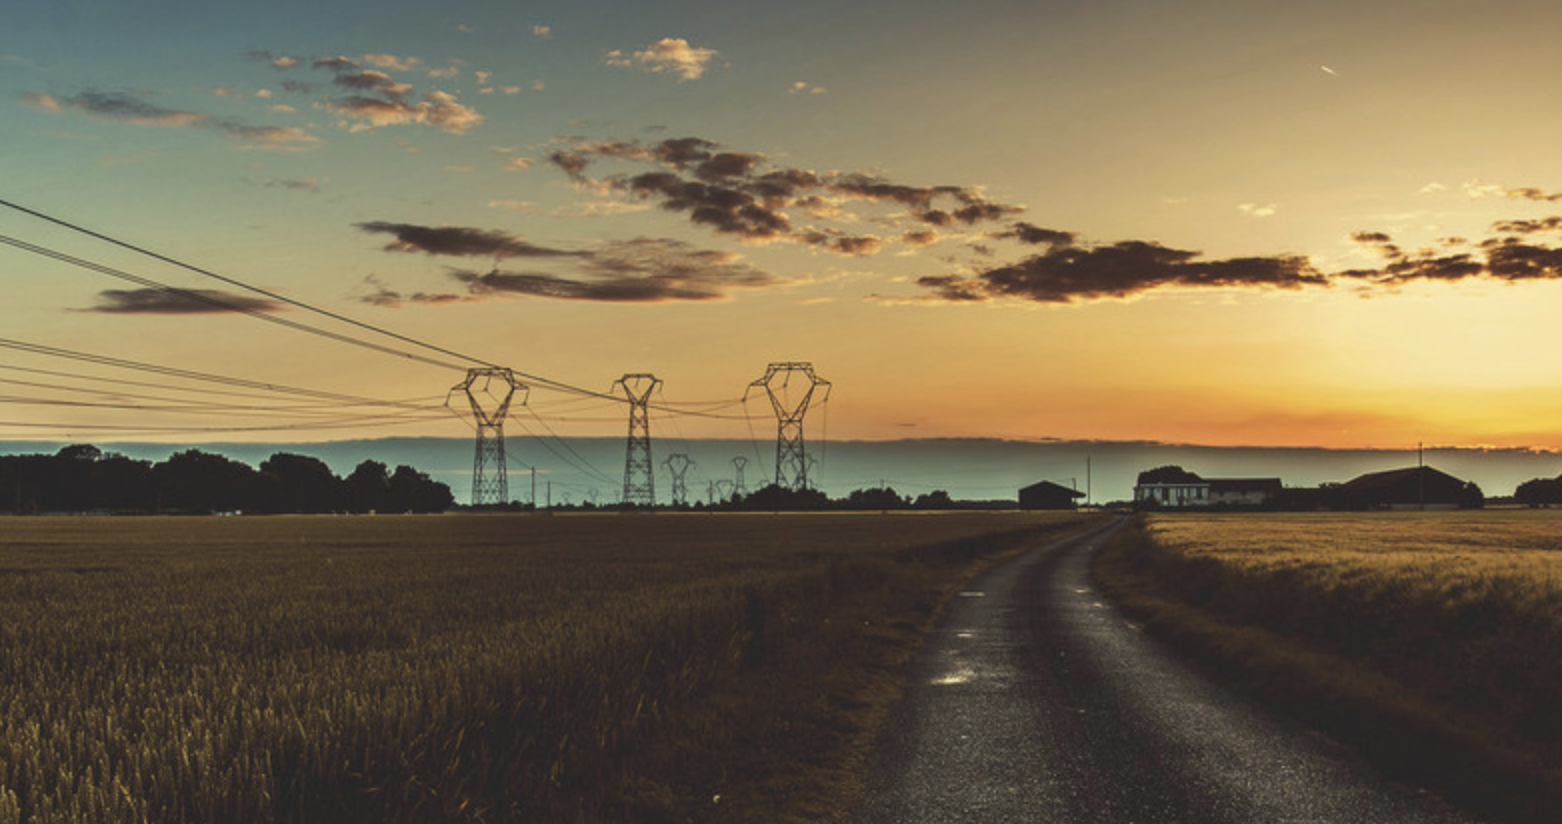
column 84, row 478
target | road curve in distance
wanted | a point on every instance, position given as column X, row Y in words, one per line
column 1035, row 701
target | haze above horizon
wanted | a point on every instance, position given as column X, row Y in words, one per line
column 1278, row 224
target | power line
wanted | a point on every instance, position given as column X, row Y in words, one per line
column 187, row 374
column 336, row 316
column 708, row 410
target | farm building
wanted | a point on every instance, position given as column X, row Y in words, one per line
column 1243, row 491
column 1048, row 495
column 1417, row 487
column 1172, row 487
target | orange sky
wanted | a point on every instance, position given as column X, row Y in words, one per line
column 1283, row 224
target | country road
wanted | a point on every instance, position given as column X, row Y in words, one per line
column 1034, row 701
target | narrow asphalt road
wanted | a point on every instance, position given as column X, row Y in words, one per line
column 1034, row 701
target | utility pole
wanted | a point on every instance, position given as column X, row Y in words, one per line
column 790, row 405
column 490, row 391
column 678, row 465
column 639, row 476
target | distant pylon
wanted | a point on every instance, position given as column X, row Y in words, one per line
column 490, row 391
column 739, row 488
column 790, row 405
column 678, row 465
column 639, row 477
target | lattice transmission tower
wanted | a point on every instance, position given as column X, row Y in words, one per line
column 639, row 474
column 790, row 403
column 739, row 488
column 490, row 392
column 678, row 466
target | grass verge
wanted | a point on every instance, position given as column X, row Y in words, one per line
column 1439, row 673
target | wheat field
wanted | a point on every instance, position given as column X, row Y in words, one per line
column 1433, row 639
column 449, row 668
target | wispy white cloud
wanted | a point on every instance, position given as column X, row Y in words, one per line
column 1255, row 210
column 670, row 55
column 802, row 87
column 392, row 62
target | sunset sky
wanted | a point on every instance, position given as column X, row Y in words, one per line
column 1261, row 223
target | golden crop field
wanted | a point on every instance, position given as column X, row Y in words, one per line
column 1446, row 626
column 449, row 668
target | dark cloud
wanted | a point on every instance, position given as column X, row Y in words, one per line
column 1514, row 261
column 1528, row 227
column 456, row 241
column 844, row 244
column 573, row 163
column 723, row 208
column 1068, row 274
column 307, row 184
column 644, row 270
column 338, row 64
column 137, row 110
column 1531, row 193
column 370, row 80
column 132, row 109
column 179, row 302
column 1380, row 241
column 1038, row 236
column 1071, row 272
column 378, row 100
column 744, row 194
column 954, row 288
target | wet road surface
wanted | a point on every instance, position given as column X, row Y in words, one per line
column 1033, row 701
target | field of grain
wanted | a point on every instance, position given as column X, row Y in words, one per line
column 458, row 668
column 1434, row 639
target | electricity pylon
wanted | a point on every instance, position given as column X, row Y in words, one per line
column 790, row 405
column 678, row 465
column 639, row 476
column 739, row 488
column 490, row 391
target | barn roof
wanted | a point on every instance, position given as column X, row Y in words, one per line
column 1392, row 478
column 1050, row 487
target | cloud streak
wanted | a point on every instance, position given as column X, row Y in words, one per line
column 136, row 110
column 179, row 302
column 643, row 270
column 1067, row 271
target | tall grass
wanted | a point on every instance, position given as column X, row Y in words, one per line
column 1432, row 639
column 413, row 669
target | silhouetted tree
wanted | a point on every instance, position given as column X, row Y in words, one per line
column 368, row 487
column 412, row 491
column 774, row 498
column 122, row 484
column 1539, row 492
column 301, row 484
column 937, row 499
column 196, row 481
column 885, row 498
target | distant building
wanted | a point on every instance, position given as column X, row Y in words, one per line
column 1417, row 487
column 1243, row 491
column 1048, row 495
column 1172, row 487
